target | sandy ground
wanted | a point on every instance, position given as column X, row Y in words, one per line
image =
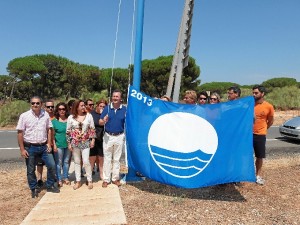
column 149, row 202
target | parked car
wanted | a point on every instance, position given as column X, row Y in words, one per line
column 291, row 128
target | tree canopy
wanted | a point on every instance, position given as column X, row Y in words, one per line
column 51, row 76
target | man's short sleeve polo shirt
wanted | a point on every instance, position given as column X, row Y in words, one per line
column 116, row 118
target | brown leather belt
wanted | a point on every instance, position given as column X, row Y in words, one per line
column 28, row 144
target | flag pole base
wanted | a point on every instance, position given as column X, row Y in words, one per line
column 132, row 177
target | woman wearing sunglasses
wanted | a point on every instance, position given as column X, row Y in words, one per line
column 214, row 98
column 60, row 145
column 81, row 137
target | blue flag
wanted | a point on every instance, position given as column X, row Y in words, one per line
column 190, row 146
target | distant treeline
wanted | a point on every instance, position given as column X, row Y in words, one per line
column 56, row 77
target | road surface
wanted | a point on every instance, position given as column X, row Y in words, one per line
column 276, row 145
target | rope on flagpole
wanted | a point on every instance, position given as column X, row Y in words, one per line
column 115, row 49
column 129, row 69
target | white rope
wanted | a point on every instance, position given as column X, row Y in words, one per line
column 131, row 44
column 115, row 49
column 129, row 70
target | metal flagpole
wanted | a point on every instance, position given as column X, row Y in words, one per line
column 138, row 45
column 131, row 176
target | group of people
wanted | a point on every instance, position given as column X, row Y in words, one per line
column 263, row 118
column 52, row 135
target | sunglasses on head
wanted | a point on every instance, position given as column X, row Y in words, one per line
column 35, row 103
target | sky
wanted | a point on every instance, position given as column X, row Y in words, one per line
column 240, row 41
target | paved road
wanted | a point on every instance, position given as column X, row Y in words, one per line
column 276, row 145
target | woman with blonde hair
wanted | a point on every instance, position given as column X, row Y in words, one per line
column 81, row 137
column 214, row 98
column 190, row 97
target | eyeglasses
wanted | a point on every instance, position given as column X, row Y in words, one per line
column 202, row 98
column 90, row 104
column 35, row 103
column 50, row 106
column 80, row 125
column 213, row 99
column 61, row 109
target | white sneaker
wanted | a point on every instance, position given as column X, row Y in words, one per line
column 260, row 180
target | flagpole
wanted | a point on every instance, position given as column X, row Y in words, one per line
column 131, row 175
column 138, row 45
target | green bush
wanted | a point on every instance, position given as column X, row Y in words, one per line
column 95, row 96
column 285, row 98
column 10, row 112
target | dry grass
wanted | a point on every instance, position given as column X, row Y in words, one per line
column 277, row 202
column 149, row 202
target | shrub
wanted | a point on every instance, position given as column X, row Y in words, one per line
column 10, row 112
column 285, row 98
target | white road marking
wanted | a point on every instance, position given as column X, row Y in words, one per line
column 272, row 139
column 8, row 148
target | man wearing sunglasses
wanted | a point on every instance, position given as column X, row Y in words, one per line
column 89, row 105
column 34, row 138
column 49, row 108
column 264, row 117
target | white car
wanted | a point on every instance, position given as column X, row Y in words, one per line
column 291, row 128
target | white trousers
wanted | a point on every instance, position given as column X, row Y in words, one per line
column 112, row 151
column 85, row 153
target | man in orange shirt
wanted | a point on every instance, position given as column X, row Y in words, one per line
column 264, row 117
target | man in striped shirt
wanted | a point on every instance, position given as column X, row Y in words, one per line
column 34, row 138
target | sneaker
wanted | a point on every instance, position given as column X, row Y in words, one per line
column 34, row 193
column 138, row 174
column 53, row 189
column 40, row 184
column 260, row 180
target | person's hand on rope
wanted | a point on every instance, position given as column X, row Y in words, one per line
column 105, row 119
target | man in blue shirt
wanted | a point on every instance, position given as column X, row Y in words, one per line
column 113, row 120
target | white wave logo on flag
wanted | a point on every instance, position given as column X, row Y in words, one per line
column 182, row 144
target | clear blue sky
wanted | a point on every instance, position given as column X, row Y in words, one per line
column 242, row 41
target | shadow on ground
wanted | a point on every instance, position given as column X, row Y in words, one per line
column 224, row 192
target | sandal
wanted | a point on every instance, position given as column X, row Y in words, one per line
column 77, row 185
column 67, row 182
column 60, row 183
column 90, row 185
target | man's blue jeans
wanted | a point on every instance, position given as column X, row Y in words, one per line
column 62, row 157
column 39, row 152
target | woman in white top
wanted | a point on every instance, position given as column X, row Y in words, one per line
column 81, row 137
